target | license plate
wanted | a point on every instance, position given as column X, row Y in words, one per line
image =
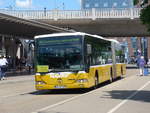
column 59, row 87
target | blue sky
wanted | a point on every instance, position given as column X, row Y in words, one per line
column 40, row 4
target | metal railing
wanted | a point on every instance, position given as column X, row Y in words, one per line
column 74, row 14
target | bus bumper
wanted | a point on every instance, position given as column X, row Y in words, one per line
column 63, row 86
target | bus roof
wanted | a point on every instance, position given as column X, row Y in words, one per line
column 59, row 34
column 113, row 40
column 73, row 34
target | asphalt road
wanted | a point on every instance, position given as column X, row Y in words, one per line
column 128, row 95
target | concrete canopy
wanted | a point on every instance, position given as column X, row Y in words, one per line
column 10, row 25
column 117, row 27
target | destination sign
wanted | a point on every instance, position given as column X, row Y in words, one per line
column 60, row 40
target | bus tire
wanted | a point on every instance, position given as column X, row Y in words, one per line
column 96, row 80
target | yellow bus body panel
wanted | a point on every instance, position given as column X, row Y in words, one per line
column 120, row 69
column 70, row 81
column 50, row 82
column 103, row 73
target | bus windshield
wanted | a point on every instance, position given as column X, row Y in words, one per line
column 63, row 53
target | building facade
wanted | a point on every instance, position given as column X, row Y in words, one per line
column 135, row 46
column 89, row 4
column 142, row 3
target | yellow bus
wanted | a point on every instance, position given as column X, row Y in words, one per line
column 76, row 60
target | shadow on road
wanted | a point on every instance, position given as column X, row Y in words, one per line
column 143, row 96
column 69, row 91
column 60, row 92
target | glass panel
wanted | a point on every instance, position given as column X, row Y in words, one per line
column 108, row 3
column 120, row 53
column 60, row 53
column 101, row 51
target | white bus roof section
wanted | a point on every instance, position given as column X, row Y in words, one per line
column 59, row 34
column 113, row 40
column 73, row 34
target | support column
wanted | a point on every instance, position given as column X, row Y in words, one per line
column 93, row 14
column 3, row 45
column 148, row 48
column 130, row 47
column 14, row 52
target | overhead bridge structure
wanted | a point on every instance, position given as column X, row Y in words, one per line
column 105, row 22
column 17, row 25
column 15, row 31
column 14, row 26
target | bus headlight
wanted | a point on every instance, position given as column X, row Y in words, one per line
column 82, row 80
column 39, row 82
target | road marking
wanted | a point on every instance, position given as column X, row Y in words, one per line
column 62, row 102
column 127, row 99
column 12, row 95
column 16, row 81
column 67, row 100
column 59, row 103
column 70, row 99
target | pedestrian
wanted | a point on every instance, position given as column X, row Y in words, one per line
column 141, row 64
column 137, row 60
column 0, row 73
column 29, row 63
column 18, row 63
column 3, row 66
column 23, row 62
column 0, row 67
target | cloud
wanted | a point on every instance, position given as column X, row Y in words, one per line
column 24, row 3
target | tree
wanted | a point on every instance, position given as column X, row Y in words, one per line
column 145, row 16
column 135, row 2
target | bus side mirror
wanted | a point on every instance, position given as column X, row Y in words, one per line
column 89, row 49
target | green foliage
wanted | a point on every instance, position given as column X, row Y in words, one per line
column 119, row 53
column 135, row 2
column 145, row 16
column 145, row 1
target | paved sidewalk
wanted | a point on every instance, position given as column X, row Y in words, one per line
column 132, row 72
column 131, row 66
column 17, row 76
column 13, row 79
column 18, row 73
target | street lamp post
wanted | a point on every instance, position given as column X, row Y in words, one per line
column 131, row 8
column 55, row 4
column 44, row 11
column 63, row 6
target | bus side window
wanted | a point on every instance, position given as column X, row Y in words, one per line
column 89, row 54
column 89, row 60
